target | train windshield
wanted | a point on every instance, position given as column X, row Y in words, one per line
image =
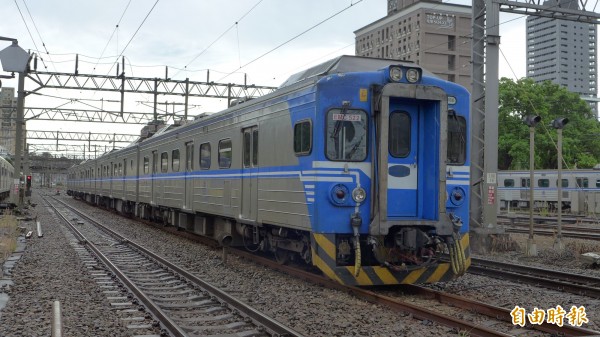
column 346, row 135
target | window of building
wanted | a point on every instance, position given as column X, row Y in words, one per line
column 303, row 138
column 451, row 42
column 225, row 153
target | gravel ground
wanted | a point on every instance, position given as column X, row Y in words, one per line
column 50, row 270
column 50, row 266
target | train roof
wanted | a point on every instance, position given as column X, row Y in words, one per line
column 344, row 64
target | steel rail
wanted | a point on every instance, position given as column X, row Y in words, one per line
column 420, row 313
column 373, row 297
column 172, row 327
column 571, row 283
column 272, row 326
column 497, row 312
column 548, row 232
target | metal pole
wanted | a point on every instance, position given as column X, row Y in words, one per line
column 558, row 244
column 56, row 320
column 19, row 138
column 531, row 246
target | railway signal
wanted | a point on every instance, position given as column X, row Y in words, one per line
column 559, row 123
column 531, row 121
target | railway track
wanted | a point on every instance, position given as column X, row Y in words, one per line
column 551, row 279
column 423, row 313
column 494, row 312
column 182, row 303
column 521, row 225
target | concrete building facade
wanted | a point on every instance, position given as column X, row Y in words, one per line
column 8, row 114
column 432, row 34
column 8, row 117
column 564, row 52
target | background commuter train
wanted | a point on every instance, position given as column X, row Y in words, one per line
column 580, row 190
column 6, row 178
column 358, row 166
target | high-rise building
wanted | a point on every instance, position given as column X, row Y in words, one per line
column 563, row 52
column 8, row 117
column 430, row 33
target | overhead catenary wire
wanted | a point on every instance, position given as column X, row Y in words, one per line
column 293, row 38
column 219, row 38
column 113, row 33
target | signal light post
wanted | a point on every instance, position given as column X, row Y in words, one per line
column 531, row 121
column 15, row 59
column 559, row 124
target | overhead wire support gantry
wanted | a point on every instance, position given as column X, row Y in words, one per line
column 143, row 85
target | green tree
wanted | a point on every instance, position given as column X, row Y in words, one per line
column 581, row 136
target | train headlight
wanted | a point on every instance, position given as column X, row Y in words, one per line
column 359, row 195
column 396, row 74
column 412, row 75
column 451, row 100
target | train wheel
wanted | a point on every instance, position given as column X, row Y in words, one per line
column 282, row 256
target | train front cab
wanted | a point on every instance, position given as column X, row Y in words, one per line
column 413, row 216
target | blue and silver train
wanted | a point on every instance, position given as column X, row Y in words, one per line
column 358, row 166
column 6, row 178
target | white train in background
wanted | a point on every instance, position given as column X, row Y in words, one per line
column 580, row 190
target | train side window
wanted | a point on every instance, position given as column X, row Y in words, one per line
column 189, row 156
column 131, row 164
column 346, row 135
column 246, row 149
column 205, row 156
column 543, row 183
column 525, row 182
column 175, row 160
column 509, row 183
column 565, row 183
column 597, row 182
column 225, row 153
column 582, row 182
column 400, row 134
column 457, row 135
column 255, row 148
column 120, row 169
column 303, row 138
column 154, row 161
column 146, row 165
column 164, row 162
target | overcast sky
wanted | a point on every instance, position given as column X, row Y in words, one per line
column 190, row 36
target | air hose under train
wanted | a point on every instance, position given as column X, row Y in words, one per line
column 456, row 249
column 356, row 221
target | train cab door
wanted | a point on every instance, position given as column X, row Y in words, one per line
column 249, row 202
column 403, row 164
